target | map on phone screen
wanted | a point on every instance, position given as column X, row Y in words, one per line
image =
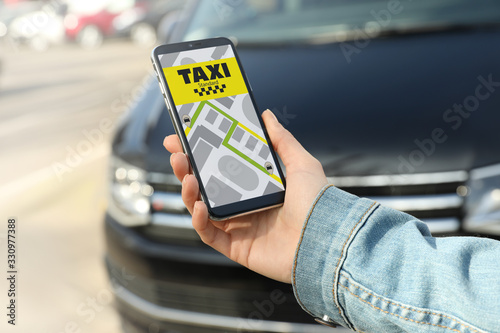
column 221, row 125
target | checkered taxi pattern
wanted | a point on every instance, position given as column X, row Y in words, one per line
column 207, row 91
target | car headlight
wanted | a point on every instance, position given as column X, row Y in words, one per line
column 483, row 200
column 130, row 200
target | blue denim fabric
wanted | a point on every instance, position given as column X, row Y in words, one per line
column 375, row 269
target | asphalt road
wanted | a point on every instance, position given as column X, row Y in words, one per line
column 57, row 112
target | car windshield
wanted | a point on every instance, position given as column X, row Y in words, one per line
column 263, row 21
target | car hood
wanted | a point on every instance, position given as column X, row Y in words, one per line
column 381, row 106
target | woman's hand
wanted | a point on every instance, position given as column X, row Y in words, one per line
column 266, row 241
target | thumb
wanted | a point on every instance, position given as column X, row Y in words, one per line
column 285, row 144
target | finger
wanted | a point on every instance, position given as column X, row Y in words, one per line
column 173, row 144
column 190, row 191
column 208, row 233
column 180, row 165
column 285, row 144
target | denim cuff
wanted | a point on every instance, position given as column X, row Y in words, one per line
column 331, row 225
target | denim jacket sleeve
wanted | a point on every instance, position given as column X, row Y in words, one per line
column 374, row 269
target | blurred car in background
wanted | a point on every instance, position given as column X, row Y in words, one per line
column 10, row 13
column 39, row 27
column 398, row 102
column 141, row 23
column 90, row 22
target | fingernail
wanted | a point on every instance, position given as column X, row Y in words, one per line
column 272, row 113
column 184, row 179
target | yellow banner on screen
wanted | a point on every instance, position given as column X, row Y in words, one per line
column 205, row 81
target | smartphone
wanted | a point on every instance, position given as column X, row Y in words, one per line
column 213, row 111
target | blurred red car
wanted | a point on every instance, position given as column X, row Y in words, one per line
column 90, row 22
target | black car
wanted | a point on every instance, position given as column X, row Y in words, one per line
column 400, row 102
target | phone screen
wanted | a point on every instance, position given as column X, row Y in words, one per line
column 219, row 120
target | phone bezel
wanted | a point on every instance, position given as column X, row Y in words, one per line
column 238, row 208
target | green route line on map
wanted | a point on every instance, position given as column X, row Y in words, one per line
column 197, row 113
column 220, row 111
column 225, row 143
column 239, row 153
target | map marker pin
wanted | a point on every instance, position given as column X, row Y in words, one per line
column 187, row 120
column 269, row 167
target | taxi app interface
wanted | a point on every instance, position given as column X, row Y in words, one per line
column 221, row 125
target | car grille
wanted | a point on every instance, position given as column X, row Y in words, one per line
column 231, row 290
column 435, row 198
column 228, row 291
